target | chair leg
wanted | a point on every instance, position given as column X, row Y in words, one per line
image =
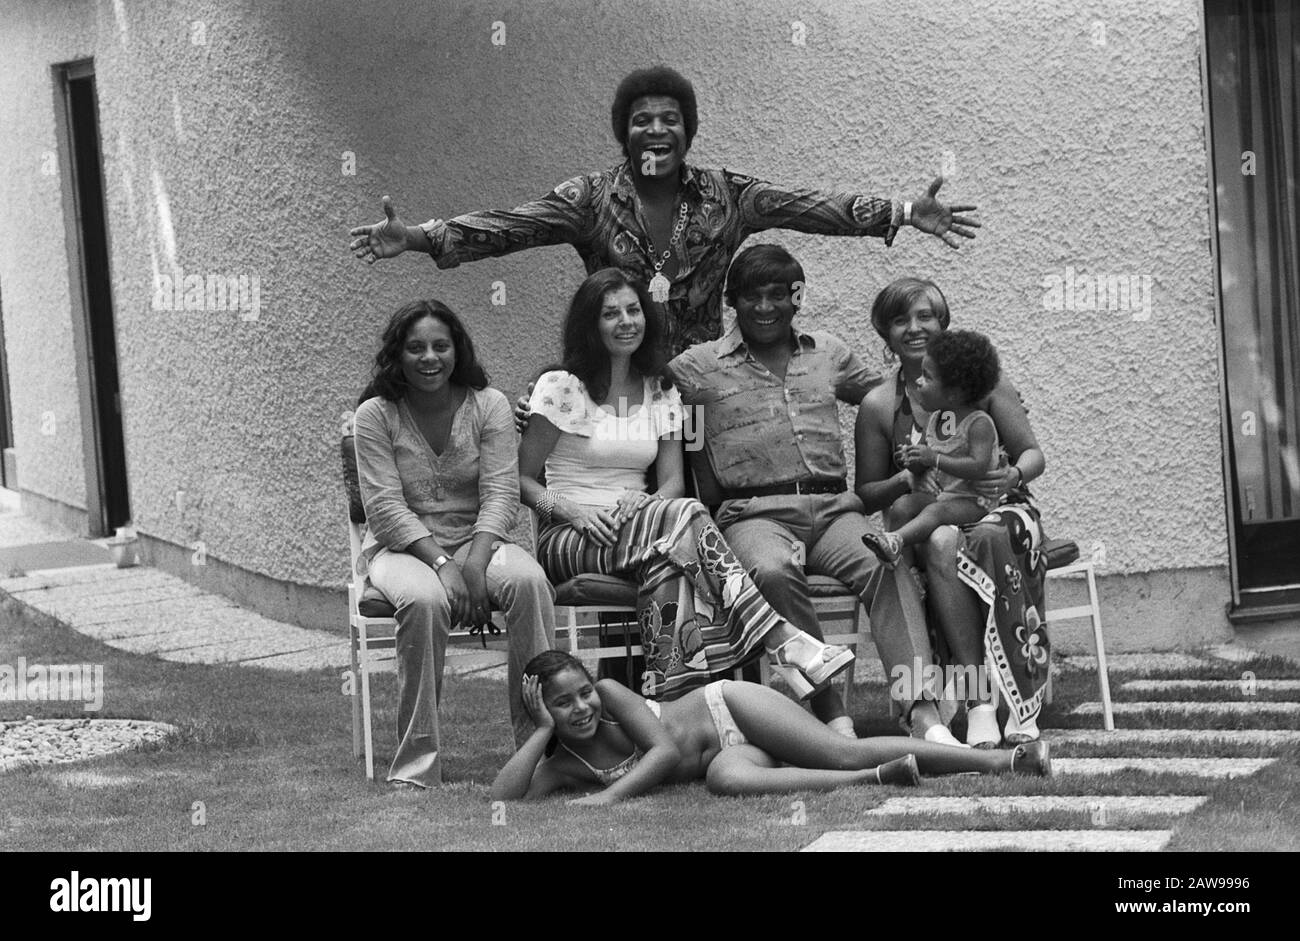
column 1103, row 675
column 855, row 624
column 356, row 700
column 571, row 625
column 365, row 711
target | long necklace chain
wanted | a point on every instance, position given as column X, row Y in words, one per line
column 677, row 232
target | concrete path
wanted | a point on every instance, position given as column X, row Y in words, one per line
column 1118, row 822
column 145, row 611
column 1114, row 809
column 1200, row 708
column 930, row 841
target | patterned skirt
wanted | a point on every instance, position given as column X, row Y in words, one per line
column 1000, row 560
column 700, row 613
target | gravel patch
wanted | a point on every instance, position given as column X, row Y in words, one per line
column 30, row 742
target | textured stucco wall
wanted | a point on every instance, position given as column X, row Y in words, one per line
column 34, row 282
column 226, row 158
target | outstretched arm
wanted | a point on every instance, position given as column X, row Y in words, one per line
column 563, row 215
column 767, row 206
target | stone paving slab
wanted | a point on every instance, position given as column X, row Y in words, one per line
column 80, row 607
column 329, row 655
column 118, row 589
column 940, row 841
column 1154, row 664
column 98, row 574
column 335, row 656
column 62, row 553
column 1162, row 736
column 1192, row 708
column 1186, row 767
column 104, row 580
column 1116, row 809
column 234, row 633
column 145, row 611
column 19, row 530
column 1146, row 664
column 1239, row 687
column 190, row 648
column 121, row 586
column 181, row 615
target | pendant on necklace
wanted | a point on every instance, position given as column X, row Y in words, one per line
column 659, row 286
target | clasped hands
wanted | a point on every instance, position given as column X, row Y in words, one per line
column 920, row 458
column 467, row 593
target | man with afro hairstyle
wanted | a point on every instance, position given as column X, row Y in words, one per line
column 670, row 225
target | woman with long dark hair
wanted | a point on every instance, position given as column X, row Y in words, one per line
column 598, row 424
column 436, row 458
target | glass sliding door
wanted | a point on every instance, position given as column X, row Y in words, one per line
column 1253, row 74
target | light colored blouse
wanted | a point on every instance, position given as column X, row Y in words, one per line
column 600, row 454
column 410, row 492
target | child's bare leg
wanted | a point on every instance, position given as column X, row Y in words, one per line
column 939, row 513
column 889, row 547
column 907, row 508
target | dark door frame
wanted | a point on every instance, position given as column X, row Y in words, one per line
column 96, row 369
column 6, row 406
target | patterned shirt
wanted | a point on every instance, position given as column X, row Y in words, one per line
column 410, row 492
column 759, row 430
column 599, row 215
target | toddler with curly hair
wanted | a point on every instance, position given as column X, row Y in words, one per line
column 959, row 371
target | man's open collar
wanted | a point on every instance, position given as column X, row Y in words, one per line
column 734, row 340
column 625, row 187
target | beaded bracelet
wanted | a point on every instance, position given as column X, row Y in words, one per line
column 546, row 506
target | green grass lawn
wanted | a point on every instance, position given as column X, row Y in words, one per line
column 268, row 757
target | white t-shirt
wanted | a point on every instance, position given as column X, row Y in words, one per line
column 599, row 454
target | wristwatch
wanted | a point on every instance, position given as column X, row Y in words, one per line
column 440, row 562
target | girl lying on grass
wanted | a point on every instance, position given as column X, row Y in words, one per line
column 742, row 738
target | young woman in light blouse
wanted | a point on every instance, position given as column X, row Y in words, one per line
column 596, row 427
column 437, row 462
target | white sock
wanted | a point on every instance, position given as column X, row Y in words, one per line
column 843, row 725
